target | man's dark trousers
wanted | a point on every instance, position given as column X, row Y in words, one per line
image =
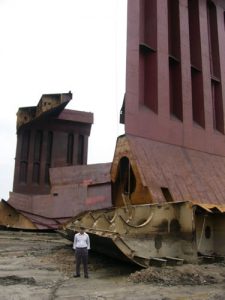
column 82, row 256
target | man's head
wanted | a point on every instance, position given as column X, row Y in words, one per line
column 81, row 229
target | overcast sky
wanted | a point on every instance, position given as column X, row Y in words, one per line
column 56, row 46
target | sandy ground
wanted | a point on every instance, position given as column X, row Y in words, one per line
column 40, row 266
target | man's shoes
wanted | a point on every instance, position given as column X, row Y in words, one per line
column 76, row 276
column 86, row 276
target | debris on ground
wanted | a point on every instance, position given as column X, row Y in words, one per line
column 62, row 259
column 181, row 275
column 12, row 280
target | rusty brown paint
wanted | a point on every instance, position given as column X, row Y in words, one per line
column 48, row 135
column 188, row 174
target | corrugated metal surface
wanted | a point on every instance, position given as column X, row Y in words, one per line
column 190, row 175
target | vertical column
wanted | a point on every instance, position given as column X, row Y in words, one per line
column 85, row 151
column 59, row 149
column 162, row 64
column 75, row 149
column 185, row 61
column 203, row 23
column 132, row 64
column 17, row 161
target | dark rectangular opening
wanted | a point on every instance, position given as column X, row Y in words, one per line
column 217, row 104
column 175, row 83
column 148, row 79
column 224, row 19
column 24, row 156
column 213, row 39
column 167, row 195
column 148, row 55
column 37, row 156
column 49, row 147
column 36, row 173
column 25, row 145
column 198, row 110
column 48, row 157
column 149, row 17
column 80, row 153
column 176, row 106
column 217, row 100
column 23, row 172
column 194, row 34
column 174, row 28
column 38, row 146
column 197, row 97
column 70, row 145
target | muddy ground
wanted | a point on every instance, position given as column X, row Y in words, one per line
column 41, row 266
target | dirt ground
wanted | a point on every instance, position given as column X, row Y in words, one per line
column 41, row 265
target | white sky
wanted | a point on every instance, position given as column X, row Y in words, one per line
column 56, row 46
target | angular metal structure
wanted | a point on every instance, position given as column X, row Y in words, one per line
column 52, row 181
column 48, row 135
column 156, row 233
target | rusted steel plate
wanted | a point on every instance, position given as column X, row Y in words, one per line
column 139, row 233
column 81, row 174
column 74, row 189
column 189, row 175
column 10, row 217
column 52, row 104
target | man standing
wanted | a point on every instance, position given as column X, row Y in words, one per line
column 81, row 245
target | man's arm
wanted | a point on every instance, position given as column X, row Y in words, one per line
column 74, row 242
column 88, row 242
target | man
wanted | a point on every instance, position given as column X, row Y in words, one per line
column 81, row 245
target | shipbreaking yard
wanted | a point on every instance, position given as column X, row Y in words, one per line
column 38, row 265
column 159, row 204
